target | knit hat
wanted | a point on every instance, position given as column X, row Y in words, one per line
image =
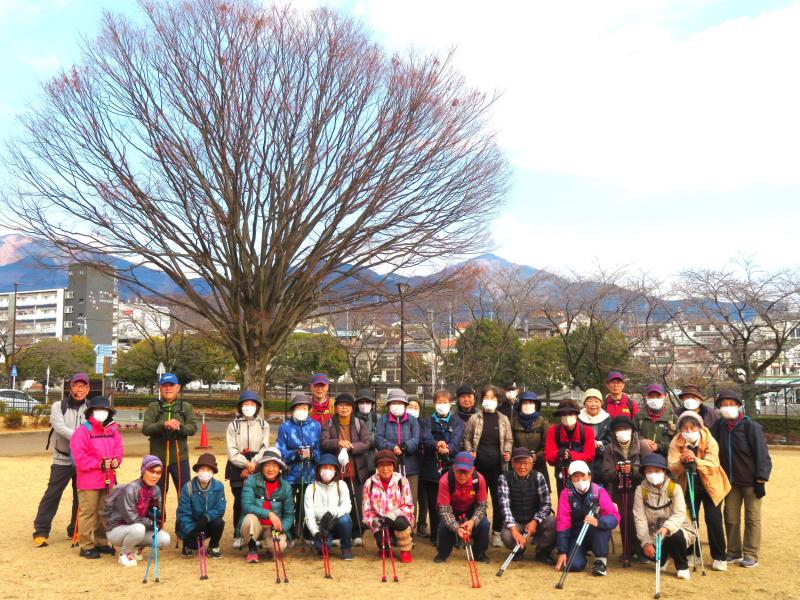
column 206, row 460
column 591, row 393
column 386, row 456
column 566, row 407
column 690, row 415
column 620, row 422
column 345, row 398
column 728, row 394
column 653, row 460
column 271, row 455
column 149, row 461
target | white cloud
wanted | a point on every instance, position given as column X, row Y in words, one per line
column 46, row 64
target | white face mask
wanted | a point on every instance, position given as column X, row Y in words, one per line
column 489, row 405
column 729, row 412
column 527, row 408
column 691, row 437
column 511, row 395
column 205, row 476
column 413, row 412
column 300, row 414
column 655, row 404
column 249, row 411
column 397, row 409
column 365, row 408
column 582, row 485
column 442, row 409
column 569, row 421
column 691, row 404
column 327, row 474
column 100, row 415
column 655, row 478
column 623, row 435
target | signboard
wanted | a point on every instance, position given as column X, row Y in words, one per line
column 104, row 350
column 13, row 370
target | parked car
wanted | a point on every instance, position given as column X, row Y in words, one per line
column 16, row 400
column 229, row 386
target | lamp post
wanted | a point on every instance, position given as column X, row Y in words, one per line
column 14, row 335
column 402, row 288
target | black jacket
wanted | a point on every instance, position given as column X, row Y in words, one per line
column 743, row 451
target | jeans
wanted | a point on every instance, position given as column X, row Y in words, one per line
column 596, row 540
column 60, row 476
column 342, row 530
column 480, row 539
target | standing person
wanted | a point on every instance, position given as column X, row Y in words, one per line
column 65, row 417
column 201, row 508
column 659, row 508
column 744, row 457
column 348, row 438
column 574, row 505
column 247, row 438
column 365, row 401
column 656, row 423
column 168, row 423
column 462, row 500
column 298, row 443
column 96, row 448
column 525, row 500
column 692, row 399
column 441, row 434
column 398, row 432
column 387, row 504
column 487, row 436
column 414, row 409
column 321, row 405
column 694, row 448
column 529, row 430
column 593, row 415
column 327, row 507
column 128, row 513
column 567, row 441
column 617, row 401
column 465, row 402
column 621, row 474
column 509, row 400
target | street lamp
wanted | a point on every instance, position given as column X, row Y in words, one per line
column 402, row 288
column 14, row 335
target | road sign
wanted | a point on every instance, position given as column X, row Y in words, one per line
column 161, row 369
column 98, row 365
column 104, row 350
column 13, row 370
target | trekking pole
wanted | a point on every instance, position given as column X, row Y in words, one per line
column 201, row 555
column 326, row 557
column 383, row 556
column 153, row 549
column 277, row 552
column 658, row 567
column 166, row 485
column 578, row 542
column 388, row 546
column 300, row 524
column 180, row 482
column 473, row 568
column 697, row 547
column 622, row 486
column 355, row 506
column 511, row 556
column 75, row 536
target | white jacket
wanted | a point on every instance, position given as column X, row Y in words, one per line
column 243, row 434
column 325, row 497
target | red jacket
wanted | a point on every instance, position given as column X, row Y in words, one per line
column 585, row 453
column 625, row 406
column 321, row 412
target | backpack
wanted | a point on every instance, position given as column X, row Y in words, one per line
column 670, row 493
column 581, row 436
column 451, row 482
column 237, row 425
column 64, row 405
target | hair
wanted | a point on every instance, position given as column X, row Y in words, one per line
column 439, row 394
column 336, row 474
column 491, row 388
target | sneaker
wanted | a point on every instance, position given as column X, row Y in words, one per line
column 238, row 543
column 126, row 560
column 422, row 531
column 252, row 557
column 748, row 563
column 39, row 541
column 336, row 543
column 692, row 560
column 483, row 558
column 732, row 559
column 187, row 551
column 215, row 552
column 439, row 559
column 358, row 542
column 405, row 557
column 347, row 554
column 139, row 554
column 683, row 574
column 89, row 553
column 599, row 569
column 497, row 541
column 545, row 557
column 719, row 565
column 105, row 549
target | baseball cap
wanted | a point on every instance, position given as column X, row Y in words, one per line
column 612, row 375
column 82, row 377
column 464, row 462
column 656, row 388
column 317, row 378
column 578, row 466
column 168, row 378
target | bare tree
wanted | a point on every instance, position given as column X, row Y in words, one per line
column 265, row 159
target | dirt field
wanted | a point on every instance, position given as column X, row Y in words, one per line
column 57, row 572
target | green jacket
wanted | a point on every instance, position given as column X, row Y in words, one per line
column 281, row 502
column 661, row 431
column 155, row 416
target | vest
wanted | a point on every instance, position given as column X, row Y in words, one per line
column 524, row 496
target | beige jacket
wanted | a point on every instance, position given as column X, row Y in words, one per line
column 660, row 511
column 711, row 473
column 474, row 428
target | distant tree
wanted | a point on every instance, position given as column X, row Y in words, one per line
column 64, row 357
column 542, row 365
column 486, row 352
column 603, row 349
column 307, row 353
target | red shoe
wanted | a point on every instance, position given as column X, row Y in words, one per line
column 405, row 557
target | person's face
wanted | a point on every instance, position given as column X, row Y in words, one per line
column 466, row 401
column 649, row 470
column 78, row 391
column 576, row 477
column 522, row 466
column 489, row 395
column 169, row 391
column 413, row 405
column 593, row 405
column 689, row 426
column 344, row 410
column 250, row 403
column 151, row 476
column 728, row 402
column 271, row 470
column 319, row 391
column 615, row 386
column 385, row 470
column 462, row 476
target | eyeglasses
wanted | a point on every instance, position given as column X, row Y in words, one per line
column 385, row 466
column 155, row 471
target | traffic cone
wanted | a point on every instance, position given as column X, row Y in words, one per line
column 203, row 436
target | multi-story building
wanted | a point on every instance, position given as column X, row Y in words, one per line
column 138, row 320
column 32, row 315
column 89, row 302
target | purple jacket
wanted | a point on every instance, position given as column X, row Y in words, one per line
column 89, row 448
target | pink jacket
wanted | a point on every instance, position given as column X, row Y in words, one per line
column 88, row 451
column 393, row 502
column 608, row 515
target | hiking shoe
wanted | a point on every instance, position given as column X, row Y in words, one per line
column 126, row 560
column 599, row 569
column 546, row 557
column 39, row 541
column 215, row 552
column 405, row 556
column 483, row 558
column 105, row 549
column 748, row 563
column 683, row 574
column 732, row 559
column 358, row 542
column 238, row 543
column 89, row 553
column 139, row 554
column 497, row 541
column 252, row 557
column 439, row 559
column 422, row 531
column 187, row 551
column 347, row 554
column 719, row 565
column 336, row 543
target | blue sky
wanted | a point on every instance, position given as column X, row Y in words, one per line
column 659, row 134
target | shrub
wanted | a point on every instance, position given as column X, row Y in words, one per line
column 14, row 420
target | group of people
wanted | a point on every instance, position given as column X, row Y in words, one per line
column 337, row 468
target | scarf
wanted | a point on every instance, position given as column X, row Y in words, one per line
column 441, row 420
column 526, row 420
column 731, row 423
column 586, row 418
column 468, row 413
column 655, row 417
column 74, row 404
column 145, row 499
column 626, row 447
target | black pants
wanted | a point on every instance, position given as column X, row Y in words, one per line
column 355, row 505
column 674, row 547
column 236, row 492
column 627, row 527
column 60, row 476
column 491, row 474
column 422, row 506
column 430, row 490
column 713, row 518
column 299, row 513
column 179, row 473
column 212, row 532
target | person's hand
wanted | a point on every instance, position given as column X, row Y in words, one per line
column 649, row 550
column 474, row 454
column 250, row 468
column 564, row 455
column 651, row 445
column 404, row 448
column 561, row 562
column 519, row 539
column 397, row 450
column 532, row 527
column 664, row 532
column 468, row 526
column 759, row 489
column 591, row 520
column 377, row 523
column 462, row 532
column 276, row 522
column 687, row 455
column 173, row 424
column 441, row 448
column 114, row 463
column 345, row 444
column 506, row 456
column 626, row 468
column 598, row 444
column 305, row 453
column 106, row 464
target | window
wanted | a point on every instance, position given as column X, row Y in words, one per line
column 69, row 295
column 67, row 324
column 67, row 309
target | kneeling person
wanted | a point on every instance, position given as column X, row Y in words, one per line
column 201, row 508
column 327, row 507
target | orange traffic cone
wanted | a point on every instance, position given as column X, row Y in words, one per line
column 203, row 436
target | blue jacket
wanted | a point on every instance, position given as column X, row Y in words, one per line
column 386, row 438
column 435, row 429
column 195, row 502
column 282, row 502
column 292, row 435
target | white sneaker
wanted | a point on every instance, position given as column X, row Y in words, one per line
column 683, row 574
column 336, row 543
column 358, row 542
column 691, row 560
column 237, row 543
column 126, row 560
column 719, row 565
column 497, row 541
column 139, row 554
column 664, row 566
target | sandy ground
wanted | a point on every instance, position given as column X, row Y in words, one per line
column 57, row 572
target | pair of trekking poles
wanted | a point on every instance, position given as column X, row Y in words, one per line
column 624, row 485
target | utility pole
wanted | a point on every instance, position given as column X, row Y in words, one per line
column 14, row 332
column 401, row 289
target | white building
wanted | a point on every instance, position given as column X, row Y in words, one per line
column 39, row 315
column 136, row 321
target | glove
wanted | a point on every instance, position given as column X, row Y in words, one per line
column 377, row 523
column 318, row 537
column 404, row 448
column 389, row 523
column 760, row 490
column 326, row 523
column 158, row 514
column 344, row 457
column 564, row 455
column 202, row 523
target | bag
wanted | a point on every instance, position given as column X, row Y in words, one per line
column 64, row 405
column 670, row 493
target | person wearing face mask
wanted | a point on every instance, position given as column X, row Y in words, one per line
column 348, row 438
column 201, row 508
column 506, row 407
column 441, row 434
column 620, row 473
column 128, row 513
column 298, row 443
column 321, row 406
column 692, row 399
column 617, row 401
column 247, row 439
column 465, row 402
column 659, row 508
column 745, row 458
column 567, row 441
column 413, row 410
column 327, row 507
column 365, row 403
column 592, row 415
column 96, row 448
column 575, row 503
column 694, row 444
column 656, row 423
column 399, row 432
column 388, row 505
column 488, row 437
column 529, row 429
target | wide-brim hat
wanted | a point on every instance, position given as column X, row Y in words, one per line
column 328, row 459
column 365, row 394
column 247, row 396
column 299, row 399
column 344, row 398
column 691, row 390
column 728, row 394
column 653, row 460
column 396, row 395
column 206, row 460
column 567, row 407
column 386, row 456
column 271, row 455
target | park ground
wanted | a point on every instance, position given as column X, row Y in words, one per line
column 56, row 571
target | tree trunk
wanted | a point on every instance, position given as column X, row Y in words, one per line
column 749, row 398
column 254, row 375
